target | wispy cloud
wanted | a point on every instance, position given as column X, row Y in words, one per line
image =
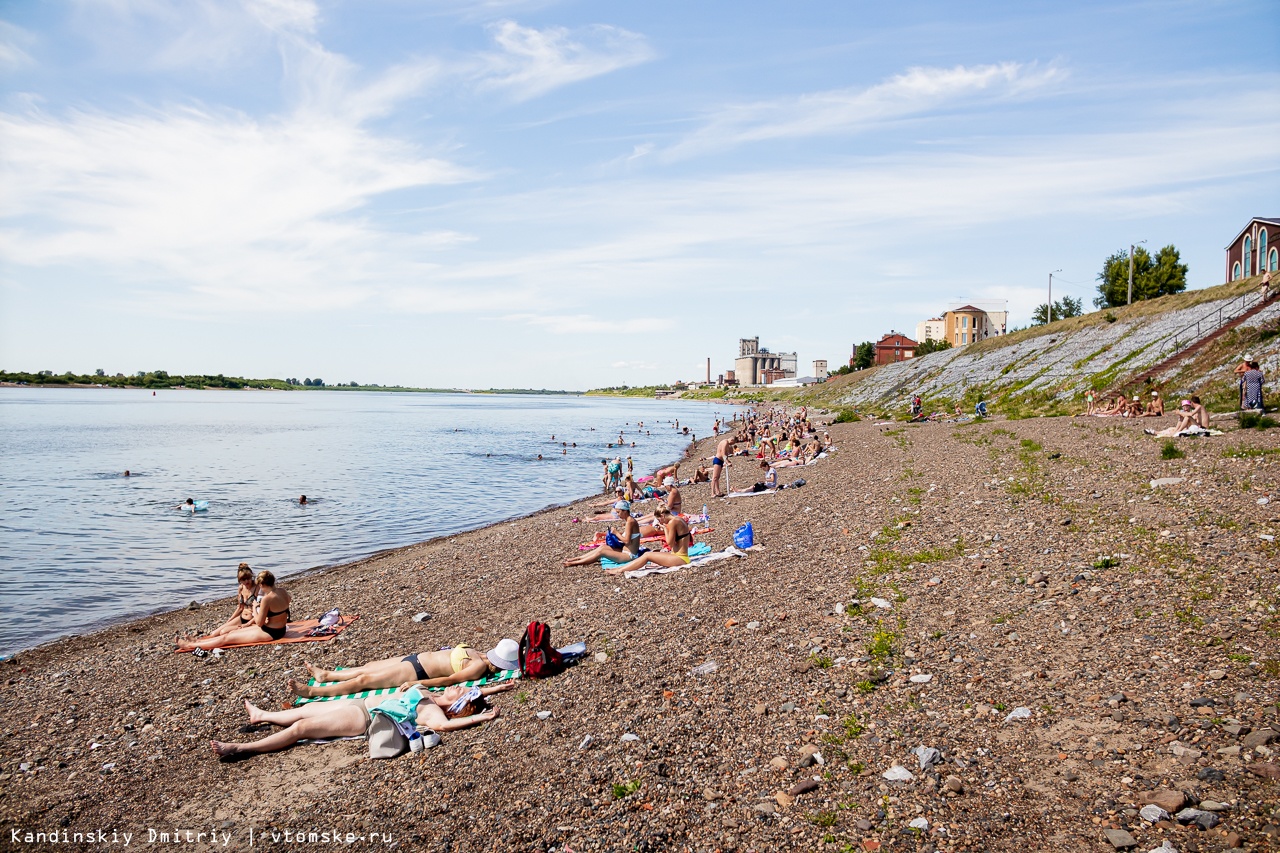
column 13, row 40
column 531, row 62
column 577, row 324
column 251, row 212
column 914, row 92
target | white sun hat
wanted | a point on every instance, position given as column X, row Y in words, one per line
column 505, row 655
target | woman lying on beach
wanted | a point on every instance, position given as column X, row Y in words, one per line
column 268, row 624
column 441, row 712
column 424, row 669
column 246, row 602
column 678, row 539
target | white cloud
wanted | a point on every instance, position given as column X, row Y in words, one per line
column 916, row 91
column 243, row 212
column 532, row 62
column 12, row 41
column 578, row 324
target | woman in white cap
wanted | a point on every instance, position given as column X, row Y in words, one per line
column 622, row 550
column 425, row 669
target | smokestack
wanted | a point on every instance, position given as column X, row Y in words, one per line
column 708, row 370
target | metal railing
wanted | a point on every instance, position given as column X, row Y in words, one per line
column 1213, row 321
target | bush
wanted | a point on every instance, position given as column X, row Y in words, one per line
column 846, row 416
column 1249, row 420
column 1170, row 450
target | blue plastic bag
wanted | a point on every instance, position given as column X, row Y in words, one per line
column 744, row 537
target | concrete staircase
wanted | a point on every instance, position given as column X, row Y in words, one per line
column 1196, row 336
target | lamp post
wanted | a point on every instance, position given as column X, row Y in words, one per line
column 1129, row 299
column 1050, row 314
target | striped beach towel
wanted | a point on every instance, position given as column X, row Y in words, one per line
column 500, row 675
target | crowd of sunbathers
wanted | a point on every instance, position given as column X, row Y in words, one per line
column 447, row 689
column 1119, row 406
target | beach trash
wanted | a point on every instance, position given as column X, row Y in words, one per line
column 745, row 536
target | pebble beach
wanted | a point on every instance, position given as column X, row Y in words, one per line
column 1004, row 635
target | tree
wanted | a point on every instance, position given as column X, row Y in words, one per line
column 929, row 345
column 841, row 370
column 1152, row 277
column 864, row 355
column 1063, row 309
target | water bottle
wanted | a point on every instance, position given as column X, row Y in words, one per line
column 706, row 519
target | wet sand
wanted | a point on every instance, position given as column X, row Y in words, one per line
column 1076, row 590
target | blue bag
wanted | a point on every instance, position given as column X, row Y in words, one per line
column 611, row 539
column 744, row 537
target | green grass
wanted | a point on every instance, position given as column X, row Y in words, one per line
column 1249, row 452
column 1170, row 450
column 885, row 560
column 625, row 789
column 846, row 416
column 823, row 819
column 1248, row 420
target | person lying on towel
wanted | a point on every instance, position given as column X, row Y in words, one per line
column 456, row 708
column 424, row 669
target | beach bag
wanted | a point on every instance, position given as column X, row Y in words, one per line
column 328, row 624
column 611, row 539
column 745, row 536
column 387, row 738
column 537, row 657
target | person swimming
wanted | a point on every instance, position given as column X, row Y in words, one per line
column 302, row 500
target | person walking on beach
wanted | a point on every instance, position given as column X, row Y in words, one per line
column 718, row 462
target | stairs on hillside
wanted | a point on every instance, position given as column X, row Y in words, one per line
column 1204, row 331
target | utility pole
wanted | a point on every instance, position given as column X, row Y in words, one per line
column 1050, row 315
column 1129, row 299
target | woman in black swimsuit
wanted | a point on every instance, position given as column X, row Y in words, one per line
column 246, row 601
column 269, row 622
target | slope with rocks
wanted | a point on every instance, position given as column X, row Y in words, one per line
column 1047, row 369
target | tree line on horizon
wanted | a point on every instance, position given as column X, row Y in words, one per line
column 163, row 379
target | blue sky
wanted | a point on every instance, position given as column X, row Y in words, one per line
column 571, row 194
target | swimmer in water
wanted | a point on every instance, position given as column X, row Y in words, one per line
column 302, row 500
column 539, row 457
column 126, row 472
column 188, row 504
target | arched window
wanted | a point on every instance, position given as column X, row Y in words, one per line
column 1248, row 257
column 1262, row 250
column 1235, row 271
column 1273, row 260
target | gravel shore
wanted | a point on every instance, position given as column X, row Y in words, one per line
column 927, row 585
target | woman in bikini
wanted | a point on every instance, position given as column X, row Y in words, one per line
column 678, row 539
column 269, row 622
column 246, row 602
column 455, row 708
column 425, row 669
column 631, row 549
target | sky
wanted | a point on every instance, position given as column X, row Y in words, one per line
column 569, row 195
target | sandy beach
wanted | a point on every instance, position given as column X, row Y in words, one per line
column 927, row 584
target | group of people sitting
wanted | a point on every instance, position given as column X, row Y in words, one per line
column 1120, row 406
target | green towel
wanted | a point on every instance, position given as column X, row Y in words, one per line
column 500, row 675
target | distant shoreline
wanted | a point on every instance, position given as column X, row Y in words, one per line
column 396, row 389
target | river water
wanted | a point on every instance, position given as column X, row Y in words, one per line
column 82, row 546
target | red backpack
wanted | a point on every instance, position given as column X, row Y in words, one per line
column 537, row 658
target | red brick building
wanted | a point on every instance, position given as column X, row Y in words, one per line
column 1254, row 249
column 894, row 347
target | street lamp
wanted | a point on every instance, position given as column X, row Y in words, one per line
column 1050, row 315
column 1129, row 299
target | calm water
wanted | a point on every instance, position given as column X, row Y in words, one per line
column 82, row 546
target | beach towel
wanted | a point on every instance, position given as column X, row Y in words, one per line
column 695, row 561
column 500, row 675
column 696, row 550
column 298, row 632
column 752, row 494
